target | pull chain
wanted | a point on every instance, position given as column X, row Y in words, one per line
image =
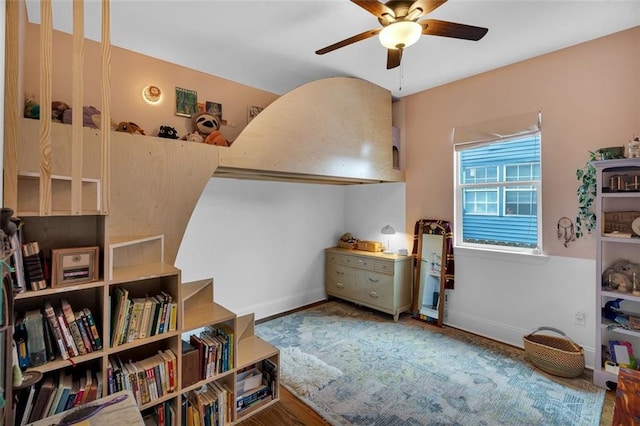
column 400, row 79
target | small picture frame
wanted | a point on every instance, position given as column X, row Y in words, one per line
column 186, row 102
column 215, row 109
column 74, row 266
column 252, row 112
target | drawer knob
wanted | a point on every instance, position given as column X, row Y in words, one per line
column 373, row 294
column 373, row 281
column 339, row 285
column 339, row 272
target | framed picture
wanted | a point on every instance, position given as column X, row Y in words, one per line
column 215, row 109
column 252, row 112
column 186, row 102
column 74, row 266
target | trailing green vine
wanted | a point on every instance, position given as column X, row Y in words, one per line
column 587, row 190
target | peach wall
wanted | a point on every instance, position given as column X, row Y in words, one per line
column 589, row 96
column 130, row 73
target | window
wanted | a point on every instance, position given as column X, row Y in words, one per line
column 498, row 193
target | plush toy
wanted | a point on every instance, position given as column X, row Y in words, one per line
column 91, row 117
column 620, row 276
column 634, row 148
column 58, row 110
column 31, row 109
column 205, row 123
column 194, row 137
column 129, row 127
column 167, row 132
column 216, row 138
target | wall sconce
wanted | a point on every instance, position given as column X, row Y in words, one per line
column 388, row 230
column 152, row 94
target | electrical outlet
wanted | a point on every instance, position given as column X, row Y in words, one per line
column 579, row 318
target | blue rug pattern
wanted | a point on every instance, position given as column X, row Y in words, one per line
column 410, row 373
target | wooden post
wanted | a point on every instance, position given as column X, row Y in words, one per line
column 105, row 126
column 11, row 107
column 46, row 60
column 77, row 111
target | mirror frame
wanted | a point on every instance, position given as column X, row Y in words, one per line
column 431, row 227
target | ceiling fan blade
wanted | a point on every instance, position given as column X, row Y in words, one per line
column 375, row 8
column 393, row 58
column 451, row 29
column 362, row 36
column 427, row 6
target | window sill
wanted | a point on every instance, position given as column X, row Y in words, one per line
column 511, row 256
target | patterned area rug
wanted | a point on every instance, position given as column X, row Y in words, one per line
column 411, row 373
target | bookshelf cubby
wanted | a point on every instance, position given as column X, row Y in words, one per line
column 195, row 310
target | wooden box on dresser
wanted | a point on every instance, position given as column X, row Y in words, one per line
column 612, row 247
column 376, row 280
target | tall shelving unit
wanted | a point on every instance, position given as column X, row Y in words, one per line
column 610, row 249
column 129, row 196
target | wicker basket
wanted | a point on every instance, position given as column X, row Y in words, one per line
column 559, row 356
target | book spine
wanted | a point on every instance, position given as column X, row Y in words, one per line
column 57, row 331
column 83, row 331
column 93, row 328
column 73, row 327
column 49, row 339
column 146, row 317
column 33, row 266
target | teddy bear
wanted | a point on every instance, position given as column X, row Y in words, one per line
column 621, row 275
column 58, row 109
column 634, row 148
column 167, row 132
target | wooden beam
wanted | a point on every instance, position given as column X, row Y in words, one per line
column 105, row 122
column 46, row 61
column 11, row 106
column 77, row 111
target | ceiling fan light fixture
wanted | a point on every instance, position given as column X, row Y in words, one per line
column 400, row 34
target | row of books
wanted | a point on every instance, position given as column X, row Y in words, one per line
column 56, row 331
column 160, row 415
column 57, row 393
column 258, row 396
column 140, row 317
column 148, row 379
column 209, row 405
column 215, row 350
column 620, row 352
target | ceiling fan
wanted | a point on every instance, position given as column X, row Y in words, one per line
column 400, row 26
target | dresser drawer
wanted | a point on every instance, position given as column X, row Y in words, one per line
column 384, row 267
column 357, row 262
column 340, row 281
column 375, row 288
column 334, row 258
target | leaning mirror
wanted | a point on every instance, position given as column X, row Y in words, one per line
column 433, row 253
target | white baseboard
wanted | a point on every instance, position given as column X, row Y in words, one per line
column 283, row 304
column 500, row 332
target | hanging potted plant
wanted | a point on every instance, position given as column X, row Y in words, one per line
column 587, row 190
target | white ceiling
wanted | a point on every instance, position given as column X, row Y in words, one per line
column 270, row 44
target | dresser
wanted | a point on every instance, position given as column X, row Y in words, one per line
column 376, row 280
